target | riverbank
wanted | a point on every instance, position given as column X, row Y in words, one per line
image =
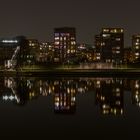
column 73, row 72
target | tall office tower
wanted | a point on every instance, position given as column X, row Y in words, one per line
column 109, row 45
column 136, row 47
column 64, row 44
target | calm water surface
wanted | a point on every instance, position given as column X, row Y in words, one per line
column 72, row 108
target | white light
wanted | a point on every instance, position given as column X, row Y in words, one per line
column 106, row 35
column 73, row 99
column 9, row 41
column 137, row 54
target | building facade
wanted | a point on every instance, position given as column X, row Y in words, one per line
column 109, row 45
column 34, row 48
column 136, row 47
column 64, row 44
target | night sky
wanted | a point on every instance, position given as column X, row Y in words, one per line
column 38, row 18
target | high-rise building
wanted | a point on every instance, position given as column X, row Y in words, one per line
column 136, row 47
column 64, row 44
column 109, row 45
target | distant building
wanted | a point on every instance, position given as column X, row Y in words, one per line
column 64, row 44
column 33, row 51
column 85, row 53
column 109, row 45
column 136, row 46
column 46, row 53
column 128, row 56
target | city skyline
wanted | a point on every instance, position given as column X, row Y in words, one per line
column 69, row 69
column 2, row 37
column 88, row 17
column 109, row 48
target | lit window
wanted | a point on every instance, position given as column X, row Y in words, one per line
column 106, row 35
column 117, row 89
column 121, row 30
column 73, row 43
column 56, row 38
column 137, row 54
column 68, row 51
column 57, row 43
column 105, row 30
column 118, row 39
column 108, row 61
column 137, row 43
column 98, row 57
column 117, row 52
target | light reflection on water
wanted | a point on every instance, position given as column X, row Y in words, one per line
column 108, row 92
column 69, row 107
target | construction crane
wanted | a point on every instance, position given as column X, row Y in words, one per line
column 12, row 62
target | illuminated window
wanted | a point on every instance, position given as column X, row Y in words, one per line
column 103, row 44
column 137, row 54
column 108, row 61
column 65, row 38
column 121, row 30
column 98, row 58
column 137, row 43
column 106, row 35
column 57, row 43
column 73, row 43
column 117, row 52
column 105, row 30
column 68, row 51
column 56, row 38
column 118, row 39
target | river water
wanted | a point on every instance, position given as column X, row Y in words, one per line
column 69, row 107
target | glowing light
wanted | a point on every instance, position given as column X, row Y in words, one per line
column 117, row 89
column 9, row 41
column 136, row 85
column 57, row 104
column 137, row 54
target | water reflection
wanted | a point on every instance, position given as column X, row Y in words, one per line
column 109, row 92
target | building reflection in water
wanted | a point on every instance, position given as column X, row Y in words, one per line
column 109, row 92
column 109, row 96
column 136, row 92
column 65, row 96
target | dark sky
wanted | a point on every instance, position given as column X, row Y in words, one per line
column 37, row 18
